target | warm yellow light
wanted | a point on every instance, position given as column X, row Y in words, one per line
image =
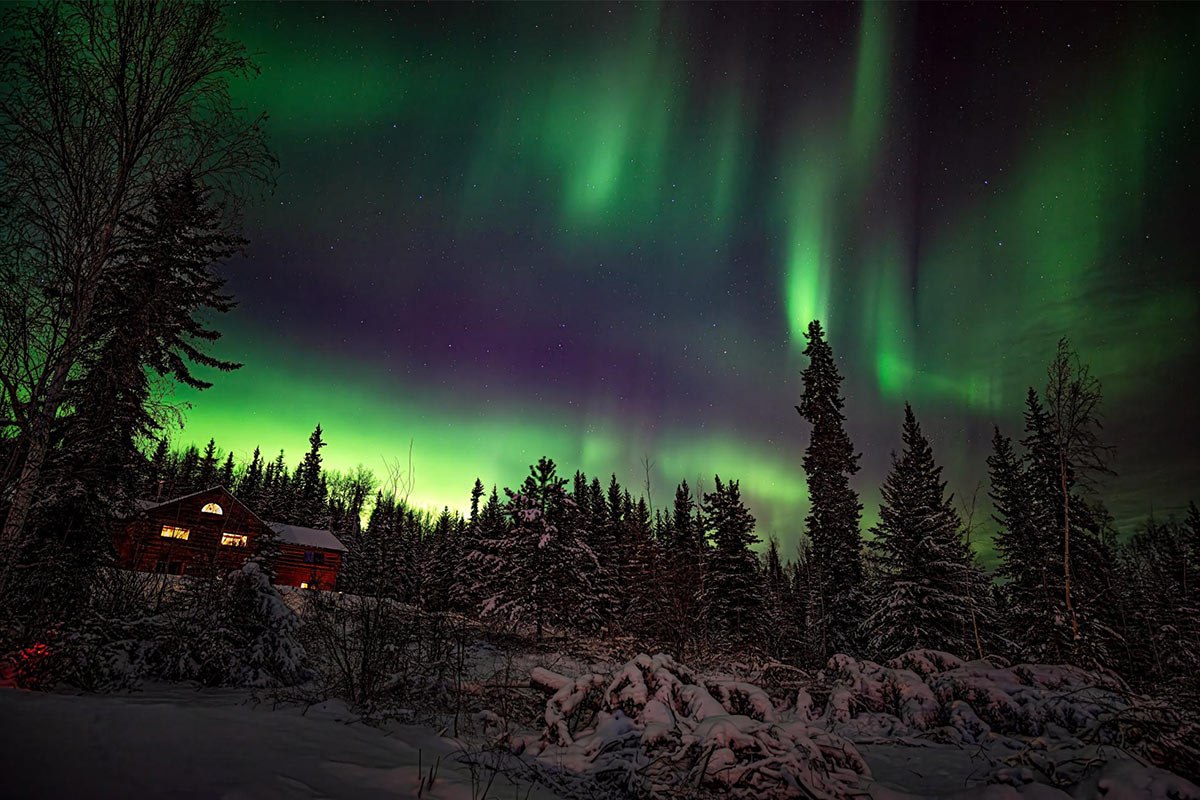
column 171, row 532
column 303, row 584
column 234, row 539
column 212, row 508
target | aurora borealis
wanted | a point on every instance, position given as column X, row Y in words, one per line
column 596, row 232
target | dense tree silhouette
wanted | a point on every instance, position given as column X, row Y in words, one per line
column 835, row 512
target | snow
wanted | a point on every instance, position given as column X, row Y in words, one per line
column 924, row 725
column 176, row 742
column 306, row 537
column 658, row 725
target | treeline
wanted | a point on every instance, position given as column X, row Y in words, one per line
column 581, row 555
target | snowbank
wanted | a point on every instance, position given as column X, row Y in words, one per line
column 926, row 724
column 213, row 744
column 655, row 727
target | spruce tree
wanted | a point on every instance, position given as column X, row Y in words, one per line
column 684, row 556
column 278, row 492
column 644, row 591
column 476, row 493
column 1163, row 605
column 480, row 573
column 442, row 550
column 466, row 574
column 778, row 632
column 923, row 592
column 834, row 511
column 207, row 477
column 541, row 569
column 375, row 565
column 732, row 592
column 603, row 530
column 187, row 476
column 250, row 486
column 225, row 476
column 579, row 493
column 1026, row 588
column 310, row 494
column 159, row 470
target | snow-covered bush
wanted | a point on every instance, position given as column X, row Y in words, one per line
column 233, row 631
column 236, row 631
column 653, row 727
column 927, row 689
column 386, row 658
column 1045, row 714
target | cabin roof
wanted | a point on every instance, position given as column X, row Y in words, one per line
column 149, row 505
column 144, row 506
column 306, row 537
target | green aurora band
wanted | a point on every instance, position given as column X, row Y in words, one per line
column 630, row 157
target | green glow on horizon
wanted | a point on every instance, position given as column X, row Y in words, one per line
column 370, row 420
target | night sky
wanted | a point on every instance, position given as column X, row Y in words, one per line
column 596, row 232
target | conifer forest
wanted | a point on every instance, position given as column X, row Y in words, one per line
column 605, row 401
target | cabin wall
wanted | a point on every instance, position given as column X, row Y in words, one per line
column 142, row 546
column 314, row 568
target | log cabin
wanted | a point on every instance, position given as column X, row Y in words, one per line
column 308, row 558
column 212, row 532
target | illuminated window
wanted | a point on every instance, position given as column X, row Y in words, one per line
column 212, row 508
column 234, row 539
column 171, row 532
column 303, row 584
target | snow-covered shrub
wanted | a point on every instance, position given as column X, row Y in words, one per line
column 232, row 631
column 926, row 662
column 926, row 689
column 100, row 647
column 653, row 728
column 386, row 658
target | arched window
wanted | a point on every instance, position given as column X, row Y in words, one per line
column 212, row 508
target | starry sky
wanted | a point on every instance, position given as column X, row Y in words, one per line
column 596, row 232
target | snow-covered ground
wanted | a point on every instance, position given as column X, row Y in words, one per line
column 182, row 743
column 924, row 725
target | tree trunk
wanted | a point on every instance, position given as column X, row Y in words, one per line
column 1067, row 554
column 39, row 439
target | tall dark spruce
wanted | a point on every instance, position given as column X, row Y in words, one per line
column 1025, row 589
column 733, row 598
column 684, row 547
column 927, row 591
column 835, row 512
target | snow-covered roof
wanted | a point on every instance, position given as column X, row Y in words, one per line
column 306, row 537
column 146, row 505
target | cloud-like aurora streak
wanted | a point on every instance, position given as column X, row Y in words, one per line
column 598, row 232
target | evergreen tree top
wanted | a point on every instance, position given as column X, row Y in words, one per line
column 822, row 381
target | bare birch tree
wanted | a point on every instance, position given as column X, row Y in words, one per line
column 100, row 106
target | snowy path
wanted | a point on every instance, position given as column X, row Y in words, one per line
column 189, row 744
